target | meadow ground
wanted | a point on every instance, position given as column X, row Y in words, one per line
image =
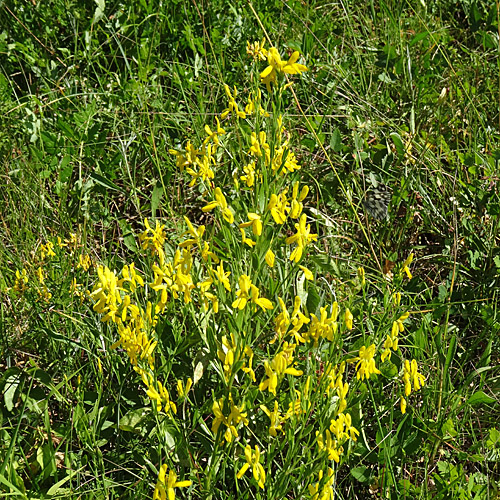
column 249, row 249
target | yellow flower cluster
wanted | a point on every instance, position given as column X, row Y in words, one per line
column 277, row 65
column 231, row 354
column 166, row 484
column 322, row 327
column 38, row 269
column 280, row 365
column 301, row 238
column 365, row 362
column 340, row 430
column 411, row 377
column 333, row 375
column 392, row 340
column 326, row 492
column 236, row 416
column 284, row 320
column 253, row 461
column 113, row 300
column 199, row 163
column 248, row 292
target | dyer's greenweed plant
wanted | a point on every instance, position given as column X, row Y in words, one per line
column 278, row 378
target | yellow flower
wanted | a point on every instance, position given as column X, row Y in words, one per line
column 220, row 201
column 324, row 326
column 159, row 393
column 223, row 276
column 365, row 362
column 253, row 103
column 269, row 258
column 279, row 207
column 196, row 235
column 207, row 254
column 327, row 492
column 235, row 417
column 249, row 291
column 279, row 366
column 203, row 165
column 301, row 238
column 183, row 391
column 284, row 160
column 165, row 485
column 253, row 461
column 296, row 200
column 153, row 239
column 106, row 293
column 75, row 289
column 207, row 297
column 260, row 145
column 214, row 135
column 255, row 222
column 403, row 405
column 247, row 367
column 277, row 65
column 41, row 275
column 130, row 276
column 243, row 294
column 406, row 266
column 397, row 326
column 390, row 343
column 333, row 375
column 47, row 250
column 275, row 417
column 411, row 376
column 256, row 50
column 245, row 240
column 21, row 281
column 329, row 445
column 307, row 273
column 227, row 354
column 186, row 158
column 259, row 301
column 232, row 106
column 348, row 317
column 361, row 274
column 84, row 262
column 249, row 177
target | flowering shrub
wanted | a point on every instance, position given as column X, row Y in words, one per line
column 276, row 378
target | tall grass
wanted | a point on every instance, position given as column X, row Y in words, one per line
column 363, row 358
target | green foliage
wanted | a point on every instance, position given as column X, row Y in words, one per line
column 94, row 95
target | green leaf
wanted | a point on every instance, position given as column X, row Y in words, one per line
column 313, row 299
column 362, row 474
column 11, row 487
column 129, row 238
column 45, row 457
column 398, row 143
column 479, row 398
column 133, row 421
column 56, row 488
column 99, row 11
column 11, row 386
column 156, row 197
column 448, row 429
column 418, row 37
column 336, row 141
column 99, row 179
column 493, row 439
column 201, row 362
